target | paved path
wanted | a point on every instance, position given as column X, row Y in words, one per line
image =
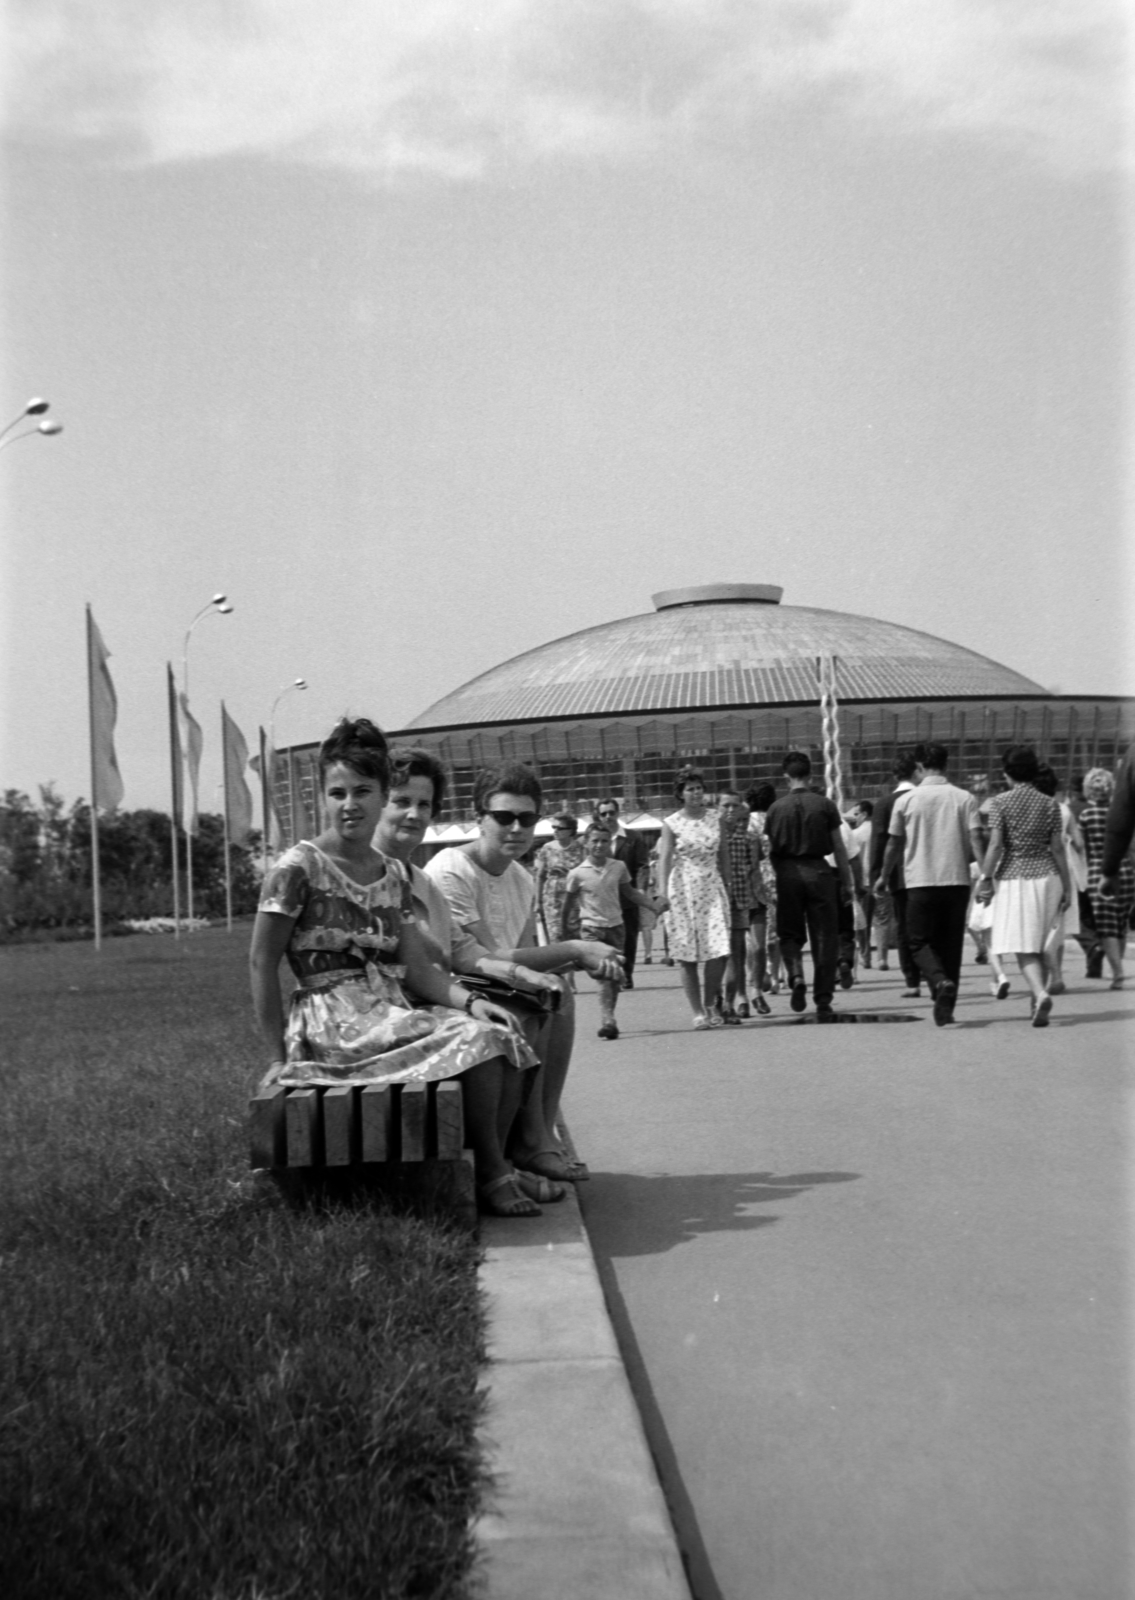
column 871, row 1286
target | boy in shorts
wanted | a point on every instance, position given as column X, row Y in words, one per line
column 592, row 893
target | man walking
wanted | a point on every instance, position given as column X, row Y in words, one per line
column 802, row 829
column 902, row 770
column 629, row 848
column 935, row 831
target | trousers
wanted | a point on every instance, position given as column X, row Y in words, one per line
column 807, row 907
column 936, row 928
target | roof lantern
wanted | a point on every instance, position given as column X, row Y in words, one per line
column 719, row 594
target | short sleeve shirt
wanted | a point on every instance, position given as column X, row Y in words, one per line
column 1027, row 820
column 504, row 904
column 800, row 824
column 599, row 903
column 935, row 821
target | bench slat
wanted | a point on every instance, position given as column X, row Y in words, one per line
column 267, row 1135
column 302, row 1110
column 415, row 1112
column 376, row 1105
column 340, row 1131
column 450, row 1121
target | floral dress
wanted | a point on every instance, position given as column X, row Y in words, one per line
column 349, row 1021
column 1111, row 916
column 699, row 903
column 553, row 863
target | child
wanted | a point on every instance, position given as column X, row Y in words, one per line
column 593, row 888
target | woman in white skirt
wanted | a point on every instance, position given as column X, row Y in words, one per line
column 1026, row 858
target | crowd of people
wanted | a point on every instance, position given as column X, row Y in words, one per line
column 463, row 969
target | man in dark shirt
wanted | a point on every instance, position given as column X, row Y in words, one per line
column 802, row 829
column 631, row 849
column 902, row 769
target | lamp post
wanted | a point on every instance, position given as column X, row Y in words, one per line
column 34, row 408
column 218, row 603
column 269, row 779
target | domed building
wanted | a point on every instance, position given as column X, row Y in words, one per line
column 728, row 678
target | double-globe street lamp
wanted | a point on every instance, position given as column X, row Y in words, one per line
column 34, row 408
column 219, row 603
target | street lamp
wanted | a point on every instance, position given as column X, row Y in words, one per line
column 34, row 408
column 218, row 603
column 297, row 683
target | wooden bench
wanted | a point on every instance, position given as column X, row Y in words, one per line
column 408, row 1138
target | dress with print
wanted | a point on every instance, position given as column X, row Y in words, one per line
column 1026, row 906
column 1111, row 916
column 759, row 831
column 349, row 1020
column 699, row 903
column 553, row 863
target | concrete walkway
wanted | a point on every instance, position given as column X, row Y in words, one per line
column 871, row 1286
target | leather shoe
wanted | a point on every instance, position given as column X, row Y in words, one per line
column 944, row 1002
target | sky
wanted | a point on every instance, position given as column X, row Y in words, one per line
column 429, row 332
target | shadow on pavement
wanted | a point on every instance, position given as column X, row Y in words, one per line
column 1059, row 1019
column 629, row 1214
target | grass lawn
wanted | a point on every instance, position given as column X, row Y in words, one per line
column 204, row 1393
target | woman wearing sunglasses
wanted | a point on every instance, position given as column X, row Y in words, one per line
column 493, row 898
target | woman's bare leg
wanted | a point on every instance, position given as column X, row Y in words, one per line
column 714, row 972
column 692, row 987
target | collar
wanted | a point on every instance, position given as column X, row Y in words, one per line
column 932, row 777
column 905, row 784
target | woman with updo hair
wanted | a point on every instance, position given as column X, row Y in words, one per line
column 1026, row 857
column 341, row 912
column 1111, row 913
column 692, row 873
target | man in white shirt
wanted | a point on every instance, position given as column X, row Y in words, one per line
column 936, row 832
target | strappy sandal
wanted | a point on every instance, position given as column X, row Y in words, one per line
column 505, row 1198
column 543, row 1164
column 540, row 1189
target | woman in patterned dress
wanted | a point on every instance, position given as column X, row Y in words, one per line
column 1111, row 915
column 341, row 913
column 764, row 948
column 692, row 874
column 1026, row 857
column 554, row 860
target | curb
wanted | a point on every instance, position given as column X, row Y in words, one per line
column 576, row 1506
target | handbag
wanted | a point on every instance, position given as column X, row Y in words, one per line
column 533, row 1002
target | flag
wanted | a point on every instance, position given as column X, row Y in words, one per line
column 265, row 765
column 238, row 800
column 193, row 742
column 106, row 780
column 175, row 757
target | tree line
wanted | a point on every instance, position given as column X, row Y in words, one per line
column 45, row 867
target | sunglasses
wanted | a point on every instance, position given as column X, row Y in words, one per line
column 505, row 819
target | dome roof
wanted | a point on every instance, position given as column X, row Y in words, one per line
column 721, row 645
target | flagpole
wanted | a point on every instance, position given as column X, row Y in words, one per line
column 220, row 604
column 264, row 797
column 225, row 819
column 175, row 797
column 96, row 894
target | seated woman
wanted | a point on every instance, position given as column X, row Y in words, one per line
column 492, row 898
column 341, row 913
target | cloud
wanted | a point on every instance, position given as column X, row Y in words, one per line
column 469, row 88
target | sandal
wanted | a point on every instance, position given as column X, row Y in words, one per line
column 701, row 1022
column 540, row 1189
column 511, row 1203
column 543, row 1164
